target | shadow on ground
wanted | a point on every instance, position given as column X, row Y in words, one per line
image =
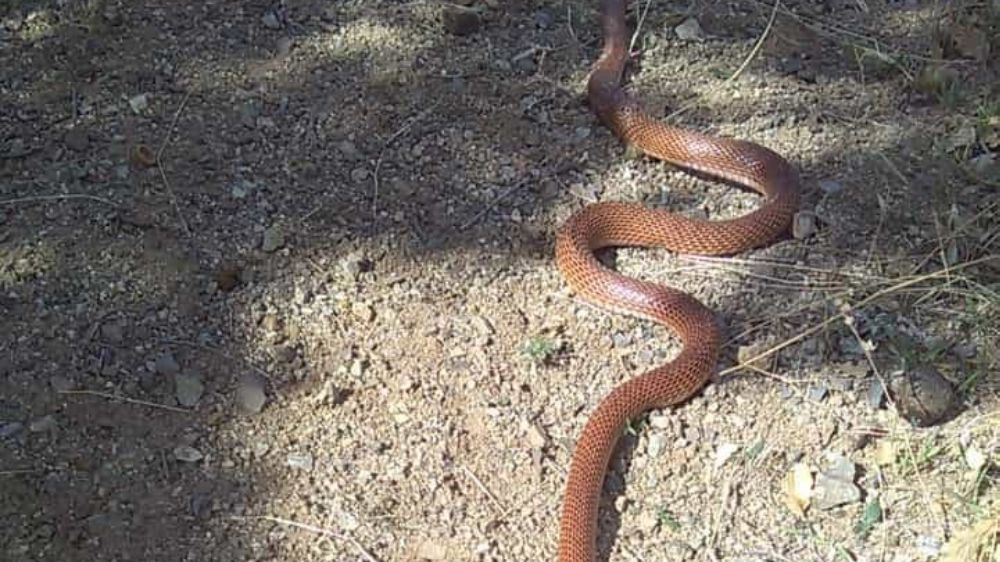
column 331, row 131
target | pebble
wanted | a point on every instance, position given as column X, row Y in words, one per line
column 831, row 187
column 804, row 225
column 537, row 439
column 659, row 421
column 43, row 424
column 986, row 163
column 271, row 21
column 962, row 137
column 352, row 265
column 188, row 389
column 876, row 394
column 349, row 150
column 187, row 453
column 657, row 444
column 923, row 397
column 817, row 393
column 966, row 350
column 363, row 311
column 139, row 103
column 167, row 365
column 724, row 452
column 690, row 30
column 284, row 46
column 835, row 485
column 241, row 188
column 112, row 332
column 432, row 550
column 10, row 429
column 348, row 522
column 228, row 277
column 621, row 339
column 77, row 139
column 250, row 396
column 460, row 21
column 272, row 240
column 648, row 521
column 543, row 19
column 300, row 461
column 61, row 384
column 359, row 175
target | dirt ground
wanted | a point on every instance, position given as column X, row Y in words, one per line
column 277, row 281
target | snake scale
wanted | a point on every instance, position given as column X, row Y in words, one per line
column 607, row 224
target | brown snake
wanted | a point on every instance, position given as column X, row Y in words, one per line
column 627, row 224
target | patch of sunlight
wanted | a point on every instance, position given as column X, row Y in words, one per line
column 20, row 264
column 37, row 24
column 365, row 37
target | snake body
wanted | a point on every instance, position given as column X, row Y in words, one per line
column 606, row 224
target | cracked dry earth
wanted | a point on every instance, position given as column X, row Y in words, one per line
column 278, row 284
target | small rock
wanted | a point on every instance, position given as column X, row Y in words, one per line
column 804, row 225
column 835, row 486
column 139, row 103
column 962, row 137
column 621, row 339
column 965, row 350
column 363, row 311
column 459, row 20
column 657, row 444
column 348, row 522
column 690, row 30
column 10, row 429
column 188, row 389
column 241, row 188
column 543, row 19
column 62, row 384
column 357, row 368
column 349, row 150
column 432, row 550
column 250, row 395
column 270, row 20
column 923, row 397
column 885, row 453
column 353, row 264
column 359, row 175
column 284, row 46
column 187, row 453
column 876, row 394
column 986, row 164
column 724, row 452
column 659, row 421
column 648, row 521
column 43, row 424
column 536, row 437
column 201, row 505
column 77, row 139
column 272, row 240
column 167, row 365
column 330, row 393
column 975, row 459
column 112, row 332
column 817, row 393
column 228, row 277
column 830, row 187
column 300, row 461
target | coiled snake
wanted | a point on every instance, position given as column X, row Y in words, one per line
column 627, row 224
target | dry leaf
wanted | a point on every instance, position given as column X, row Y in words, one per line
column 798, row 487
